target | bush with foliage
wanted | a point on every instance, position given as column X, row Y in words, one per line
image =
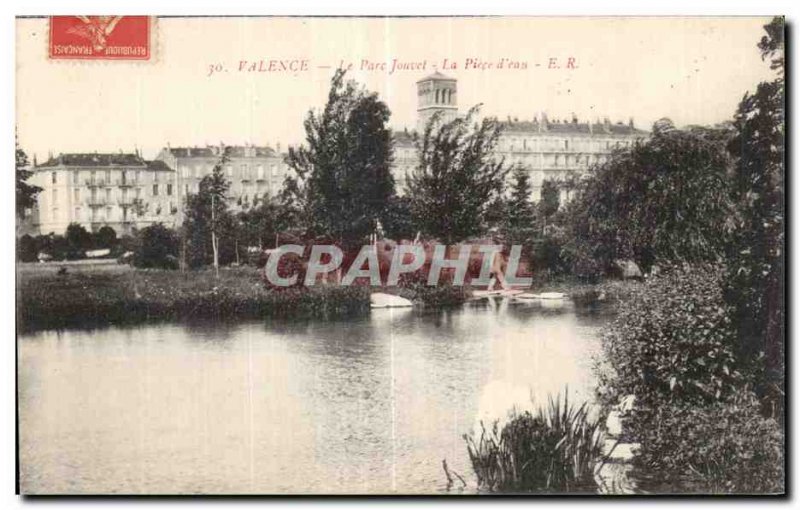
column 156, row 247
column 673, row 339
column 27, row 249
column 723, row 447
column 79, row 240
column 674, row 347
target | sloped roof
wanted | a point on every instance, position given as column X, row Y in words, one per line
column 436, row 76
column 159, row 165
column 236, row 151
column 597, row 128
column 94, row 160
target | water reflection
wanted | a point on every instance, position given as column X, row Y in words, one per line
column 353, row 406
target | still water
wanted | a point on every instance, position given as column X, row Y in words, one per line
column 358, row 406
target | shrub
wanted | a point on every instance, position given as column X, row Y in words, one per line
column 156, row 247
column 553, row 450
column 106, row 237
column 725, row 447
column 78, row 241
column 673, row 340
column 27, row 249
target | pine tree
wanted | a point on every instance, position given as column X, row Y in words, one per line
column 520, row 210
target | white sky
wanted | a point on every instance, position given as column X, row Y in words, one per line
column 693, row 70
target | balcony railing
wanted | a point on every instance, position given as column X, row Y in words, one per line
column 98, row 202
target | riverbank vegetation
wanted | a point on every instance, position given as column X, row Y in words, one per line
column 554, row 449
column 699, row 211
column 102, row 298
column 699, row 346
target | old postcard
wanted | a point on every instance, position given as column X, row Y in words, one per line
column 400, row 255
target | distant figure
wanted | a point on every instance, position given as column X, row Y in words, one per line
column 61, row 271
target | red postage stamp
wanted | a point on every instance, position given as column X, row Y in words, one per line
column 100, row 37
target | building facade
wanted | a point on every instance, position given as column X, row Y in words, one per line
column 253, row 172
column 547, row 149
column 122, row 191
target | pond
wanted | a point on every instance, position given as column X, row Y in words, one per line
column 359, row 406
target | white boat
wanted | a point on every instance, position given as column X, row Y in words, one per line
column 544, row 296
column 383, row 300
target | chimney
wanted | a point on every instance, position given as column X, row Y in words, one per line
column 606, row 125
column 630, row 122
column 545, row 123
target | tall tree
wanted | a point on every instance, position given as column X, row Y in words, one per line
column 208, row 223
column 344, row 177
column 457, row 179
column 26, row 193
column 758, row 256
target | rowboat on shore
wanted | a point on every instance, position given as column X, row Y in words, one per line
column 548, row 296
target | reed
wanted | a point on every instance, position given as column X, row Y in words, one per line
column 554, row 449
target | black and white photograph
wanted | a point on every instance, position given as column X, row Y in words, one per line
column 400, row 255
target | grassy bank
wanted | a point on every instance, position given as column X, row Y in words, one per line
column 48, row 300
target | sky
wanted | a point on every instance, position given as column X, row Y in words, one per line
column 196, row 90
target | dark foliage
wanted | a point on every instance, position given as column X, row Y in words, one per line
column 723, row 447
column 26, row 193
column 457, row 180
column 344, row 178
column 156, row 247
column 757, row 258
column 664, row 200
column 82, row 299
column 553, row 450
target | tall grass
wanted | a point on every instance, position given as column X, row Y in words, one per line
column 553, row 450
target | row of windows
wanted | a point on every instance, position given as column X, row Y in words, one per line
column 112, row 213
column 245, row 171
column 109, row 177
column 549, row 144
column 124, row 194
column 558, row 160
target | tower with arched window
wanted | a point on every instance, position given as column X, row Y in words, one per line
column 436, row 93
